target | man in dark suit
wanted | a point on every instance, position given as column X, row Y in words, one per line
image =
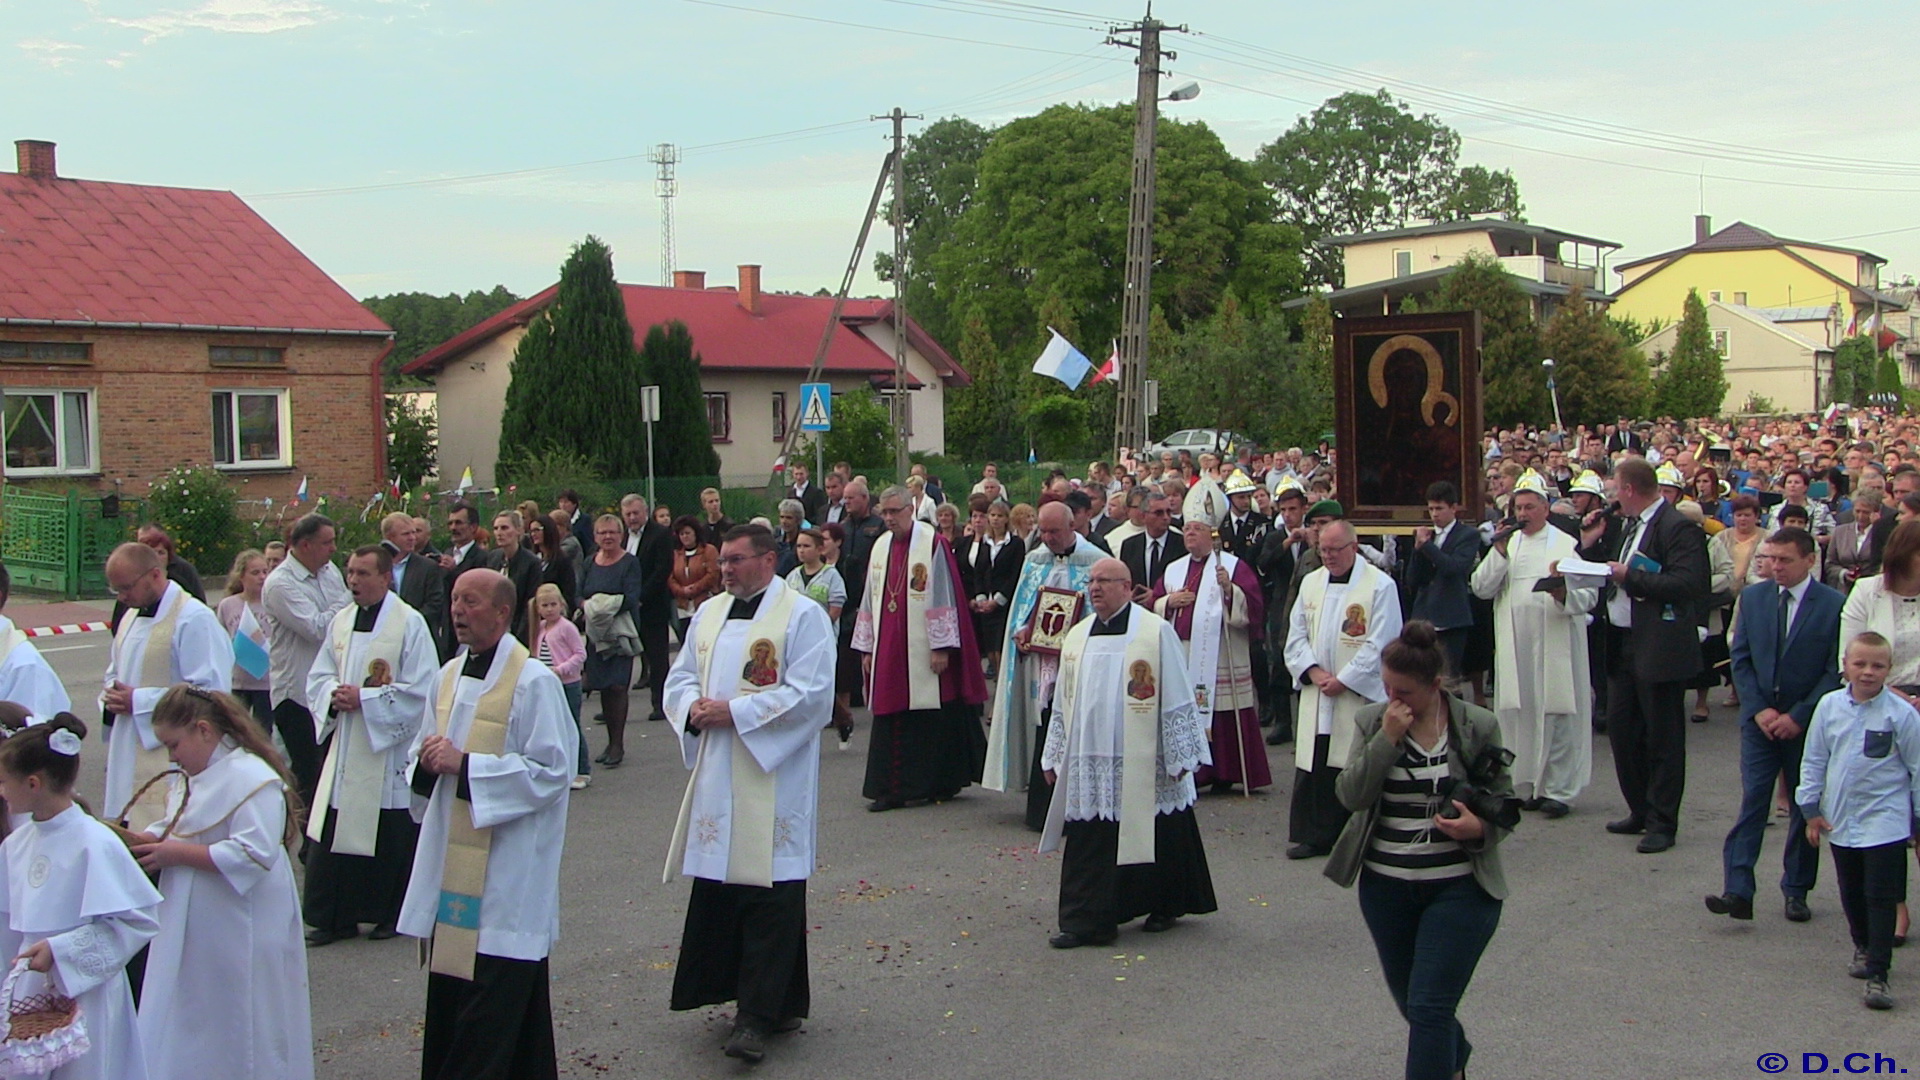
column 1280, row 551
column 1783, row 648
column 1442, row 560
column 1654, row 605
column 1625, row 438
column 579, row 523
column 1149, row 553
column 465, row 553
column 863, row 528
column 648, row 541
column 813, row 499
column 419, row 582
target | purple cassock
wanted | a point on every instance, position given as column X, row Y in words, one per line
column 1234, row 701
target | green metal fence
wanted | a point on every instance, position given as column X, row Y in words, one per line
column 59, row 543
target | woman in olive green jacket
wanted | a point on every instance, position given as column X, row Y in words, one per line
column 1428, row 867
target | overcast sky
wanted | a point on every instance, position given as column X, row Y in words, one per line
column 1791, row 110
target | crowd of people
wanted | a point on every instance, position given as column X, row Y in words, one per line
column 399, row 721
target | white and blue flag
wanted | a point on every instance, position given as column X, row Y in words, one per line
column 1062, row 361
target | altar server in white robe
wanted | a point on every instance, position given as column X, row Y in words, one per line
column 26, row 679
column 226, row 986
column 166, row 637
column 1542, row 693
column 1345, row 613
column 493, row 765
column 1125, row 740
column 72, row 900
column 748, row 696
column 368, row 686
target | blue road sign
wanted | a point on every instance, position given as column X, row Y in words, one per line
column 816, row 406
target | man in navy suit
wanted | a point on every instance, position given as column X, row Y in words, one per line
column 1783, row 662
column 1442, row 560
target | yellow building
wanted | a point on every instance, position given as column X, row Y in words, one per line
column 1749, row 267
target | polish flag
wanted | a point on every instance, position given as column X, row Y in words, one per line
column 1108, row 369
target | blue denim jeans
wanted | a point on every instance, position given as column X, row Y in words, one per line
column 1762, row 760
column 573, row 704
column 1430, row 935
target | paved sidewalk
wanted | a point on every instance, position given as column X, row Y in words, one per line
column 59, row 616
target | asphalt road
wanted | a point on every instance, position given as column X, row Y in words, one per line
column 929, row 954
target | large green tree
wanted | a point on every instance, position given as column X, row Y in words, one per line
column 1362, row 162
column 1248, row 374
column 575, row 382
column 1692, row 384
column 682, row 441
column 1514, row 386
column 422, row 320
column 1600, row 376
column 940, row 172
column 1854, row 371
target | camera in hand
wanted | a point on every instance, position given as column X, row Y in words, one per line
column 1476, row 794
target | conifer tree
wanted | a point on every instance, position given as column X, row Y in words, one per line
column 682, row 441
column 1693, row 383
column 1599, row 376
column 1515, row 385
column 575, row 382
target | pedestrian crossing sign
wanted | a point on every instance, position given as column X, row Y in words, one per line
column 816, row 406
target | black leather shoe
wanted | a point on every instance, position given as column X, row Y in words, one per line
column 880, row 806
column 1627, row 826
column 1067, row 939
column 1158, row 924
column 384, row 932
column 1530, row 804
column 786, row 1027
column 1797, row 909
column 1654, row 843
column 1554, row 808
column 1740, row 907
column 1280, row 737
column 320, row 938
column 748, row 1043
column 1304, row 851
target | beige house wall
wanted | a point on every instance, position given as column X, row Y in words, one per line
column 472, row 394
column 1373, row 261
column 1760, row 360
column 1847, row 267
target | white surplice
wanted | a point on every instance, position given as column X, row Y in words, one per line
column 69, row 881
column 26, row 679
column 519, row 793
column 230, row 942
column 202, row 655
column 779, row 726
column 390, row 715
column 1541, row 691
column 1361, row 675
column 1087, row 751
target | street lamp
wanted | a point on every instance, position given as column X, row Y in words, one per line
column 1186, row 91
column 1554, row 392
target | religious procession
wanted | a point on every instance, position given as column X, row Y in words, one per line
column 319, row 756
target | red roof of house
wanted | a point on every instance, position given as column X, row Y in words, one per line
column 782, row 336
column 91, row 252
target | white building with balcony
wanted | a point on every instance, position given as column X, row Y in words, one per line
column 1384, row 268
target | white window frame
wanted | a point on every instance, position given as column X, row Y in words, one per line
column 285, row 401
column 62, row 467
column 726, row 411
column 1400, row 255
column 781, row 418
column 1722, row 341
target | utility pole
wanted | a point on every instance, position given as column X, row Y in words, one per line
column 1129, row 411
column 901, row 416
column 666, row 156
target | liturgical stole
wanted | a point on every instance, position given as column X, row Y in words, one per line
column 1356, row 620
column 1209, row 622
column 750, row 841
column 923, row 688
column 463, row 879
column 1141, row 756
column 357, row 824
column 156, row 669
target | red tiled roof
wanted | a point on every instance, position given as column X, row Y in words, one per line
column 782, row 336
column 89, row 251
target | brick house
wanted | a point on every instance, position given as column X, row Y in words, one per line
column 143, row 327
column 755, row 349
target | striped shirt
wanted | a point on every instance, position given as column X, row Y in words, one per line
column 1405, row 843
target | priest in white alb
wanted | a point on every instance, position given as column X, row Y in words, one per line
column 1541, row 691
column 1215, row 604
column 748, row 695
column 1024, row 694
column 492, row 767
column 165, row 637
column 1345, row 613
column 1125, row 740
column 26, row 679
column 368, row 685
